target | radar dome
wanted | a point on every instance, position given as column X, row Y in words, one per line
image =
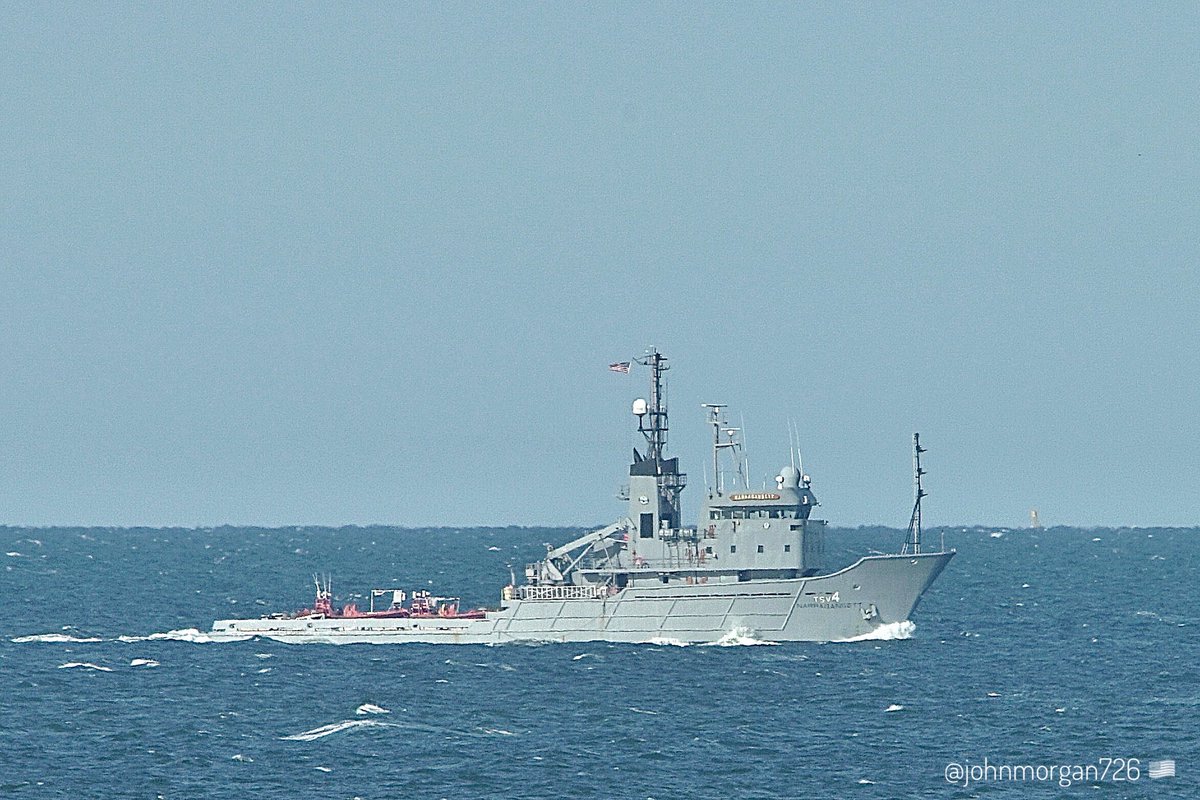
column 789, row 477
column 639, row 407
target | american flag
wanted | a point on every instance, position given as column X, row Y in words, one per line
column 620, row 366
column 1162, row 769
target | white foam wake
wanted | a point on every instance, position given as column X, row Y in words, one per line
column 885, row 633
column 182, row 635
column 738, row 637
column 54, row 638
column 84, row 665
column 666, row 641
column 336, row 727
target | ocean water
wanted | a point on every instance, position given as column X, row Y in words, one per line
column 1062, row 648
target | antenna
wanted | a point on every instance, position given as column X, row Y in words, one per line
column 913, row 539
column 745, row 455
column 791, row 444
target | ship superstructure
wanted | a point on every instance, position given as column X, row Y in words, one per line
column 751, row 565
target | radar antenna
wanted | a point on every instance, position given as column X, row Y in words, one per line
column 913, row 540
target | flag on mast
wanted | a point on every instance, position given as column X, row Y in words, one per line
column 620, row 366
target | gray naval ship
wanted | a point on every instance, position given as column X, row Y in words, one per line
column 751, row 569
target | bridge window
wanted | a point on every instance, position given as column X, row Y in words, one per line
column 760, row 548
column 714, row 514
column 787, row 548
column 733, row 548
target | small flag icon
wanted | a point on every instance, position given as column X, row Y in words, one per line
column 1162, row 769
column 620, row 366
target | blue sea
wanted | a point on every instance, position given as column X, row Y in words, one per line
column 1066, row 651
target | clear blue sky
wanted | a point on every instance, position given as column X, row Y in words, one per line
column 346, row 263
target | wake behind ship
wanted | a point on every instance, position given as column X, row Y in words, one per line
column 751, row 566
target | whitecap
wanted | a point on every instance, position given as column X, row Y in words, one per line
column 264, row 655
column 866, row 782
column 53, row 638
column 13, row 554
column 582, row 656
column 996, row 535
column 143, row 662
column 643, row 711
column 84, row 665
column 262, row 671
column 370, row 708
column 499, row 731
column 494, row 549
column 894, row 707
column 242, row 758
column 323, row 769
column 993, row 694
column 335, row 727
column 887, row 632
column 664, row 641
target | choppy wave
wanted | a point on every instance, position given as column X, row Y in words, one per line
column 54, row 638
column 370, row 708
column 336, row 727
column 143, row 662
column 885, row 633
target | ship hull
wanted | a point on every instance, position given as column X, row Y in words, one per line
column 856, row 602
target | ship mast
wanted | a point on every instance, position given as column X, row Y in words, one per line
column 653, row 423
column 913, row 539
column 666, row 481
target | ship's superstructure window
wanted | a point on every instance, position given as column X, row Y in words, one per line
column 760, row 548
column 708, row 551
column 787, row 548
column 733, row 548
column 752, row 513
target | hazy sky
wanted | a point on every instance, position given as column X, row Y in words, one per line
column 347, row 263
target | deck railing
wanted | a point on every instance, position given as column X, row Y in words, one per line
column 562, row 592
